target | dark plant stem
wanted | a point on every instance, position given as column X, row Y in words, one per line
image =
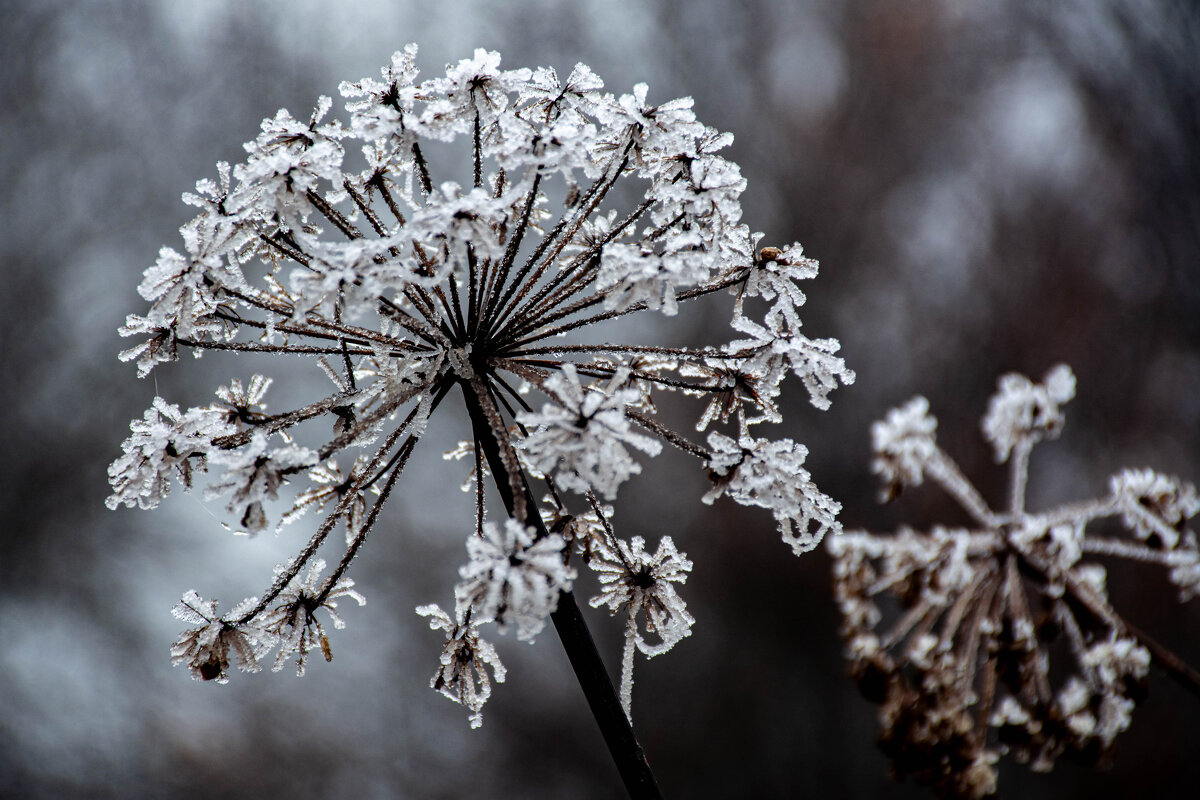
column 572, row 630
column 1179, row 670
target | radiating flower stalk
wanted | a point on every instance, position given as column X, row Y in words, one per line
column 1005, row 640
column 574, row 210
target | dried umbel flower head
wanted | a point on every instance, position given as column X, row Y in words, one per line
column 968, row 669
column 403, row 279
column 463, row 675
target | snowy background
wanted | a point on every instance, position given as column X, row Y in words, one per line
column 990, row 187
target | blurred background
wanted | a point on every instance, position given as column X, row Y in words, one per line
column 989, row 186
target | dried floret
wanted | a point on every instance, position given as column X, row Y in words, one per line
column 294, row 619
column 254, row 474
column 165, row 442
column 463, row 675
column 771, row 475
column 582, row 438
column 206, row 648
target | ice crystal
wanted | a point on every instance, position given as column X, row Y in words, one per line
column 465, row 658
column 970, row 670
column 581, row 438
column 294, row 620
column 758, row 472
column 331, row 486
column 254, row 475
column 354, row 242
column 206, row 647
column 164, row 441
column 512, row 578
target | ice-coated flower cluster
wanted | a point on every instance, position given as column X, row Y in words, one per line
column 291, row 624
column 759, row 472
column 513, row 579
column 206, row 647
column 465, row 658
column 637, row 583
column 354, row 244
column 582, row 437
column 1005, row 641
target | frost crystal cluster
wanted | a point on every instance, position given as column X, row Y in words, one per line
column 487, row 230
column 1000, row 638
column 635, row 582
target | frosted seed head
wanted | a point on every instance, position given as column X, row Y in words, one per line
column 904, row 444
column 1025, row 412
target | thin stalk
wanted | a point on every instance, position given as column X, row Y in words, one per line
column 474, row 289
column 578, row 273
column 255, row 347
column 601, row 371
column 510, row 252
column 422, row 169
column 947, row 474
column 1176, row 668
column 515, row 395
column 535, row 332
column 682, row 352
column 294, row 255
column 361, row 536
column 668, row 435
column 402, row 344
column 478, row 148
column 1020, row 475
column 318, row 538
column 558, row 238
column 368, row 212
column 271, row 424
column 348, row 229
column 389, row 201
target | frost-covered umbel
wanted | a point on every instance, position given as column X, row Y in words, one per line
column 637, row 583
column 963, row 673
column 475, row 230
